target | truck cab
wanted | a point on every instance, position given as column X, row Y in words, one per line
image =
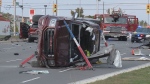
column 115, row 24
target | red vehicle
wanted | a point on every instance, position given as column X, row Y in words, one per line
column 30, row 31
column 115, row 24
column 63, row 41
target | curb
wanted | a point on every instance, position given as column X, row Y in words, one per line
column 105, row 76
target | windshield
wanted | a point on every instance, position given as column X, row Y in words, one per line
column 139, row 29
column 144, row 30
column 120, row 20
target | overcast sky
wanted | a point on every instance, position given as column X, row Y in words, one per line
column 89, row 6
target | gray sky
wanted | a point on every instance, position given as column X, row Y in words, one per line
column 67, row 5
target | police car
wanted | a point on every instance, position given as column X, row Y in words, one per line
column 140, row 34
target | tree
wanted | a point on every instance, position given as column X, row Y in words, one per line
column 79, row 11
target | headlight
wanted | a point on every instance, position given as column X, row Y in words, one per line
column 147, row 35
column 107, row 29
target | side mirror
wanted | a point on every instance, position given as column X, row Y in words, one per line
column 75, row 16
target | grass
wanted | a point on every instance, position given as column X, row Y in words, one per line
column 141, row 76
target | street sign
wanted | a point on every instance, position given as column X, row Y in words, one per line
column 148, row 8
column 32, row 12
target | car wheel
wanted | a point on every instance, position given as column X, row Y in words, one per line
column 120, row 38
column 30, row 39
column 124, row 38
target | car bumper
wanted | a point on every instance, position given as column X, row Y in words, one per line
column 138, row 38
column 115, row 34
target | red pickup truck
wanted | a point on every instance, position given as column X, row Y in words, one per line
column 30, row 31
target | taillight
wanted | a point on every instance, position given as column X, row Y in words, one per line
column 141, row 35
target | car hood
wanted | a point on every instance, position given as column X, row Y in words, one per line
column 134, row 33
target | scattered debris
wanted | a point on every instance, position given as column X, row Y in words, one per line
column 34, row 72
column 16, row 53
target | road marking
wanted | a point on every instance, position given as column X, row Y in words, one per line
column 66, row 70
column 9, row 66
column 13, row 60
column 9, row 48
column 30, row 80
column 123, row 53
column 105, row 76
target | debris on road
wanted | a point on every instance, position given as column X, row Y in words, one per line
column 16, row 53
column 34, row 72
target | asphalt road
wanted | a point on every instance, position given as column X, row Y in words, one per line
column 9, row 70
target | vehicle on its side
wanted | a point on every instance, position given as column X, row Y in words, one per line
column 115, row 24
column 58, row 48
column 140, row 34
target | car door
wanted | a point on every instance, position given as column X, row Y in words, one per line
column 23, row 30
column 133, row 24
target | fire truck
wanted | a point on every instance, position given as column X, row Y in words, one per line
column 115, row 24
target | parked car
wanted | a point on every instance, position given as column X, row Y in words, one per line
column 140, row 34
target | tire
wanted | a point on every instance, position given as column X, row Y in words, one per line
column 36, row 18
column 30, row 39
column 132, row 41
column 106, row 38
column 124, row 38
column 120, row 38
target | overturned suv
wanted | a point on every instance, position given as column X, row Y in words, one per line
column 63, row 41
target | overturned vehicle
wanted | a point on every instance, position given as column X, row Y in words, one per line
column 64, row 42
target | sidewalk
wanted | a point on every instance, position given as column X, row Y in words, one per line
column 14, row 40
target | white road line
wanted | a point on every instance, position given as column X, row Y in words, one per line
column 30, row 80
column 9, row 66
column 66, row 70
column 13, row 60
column 9, row 48
column 123, row 53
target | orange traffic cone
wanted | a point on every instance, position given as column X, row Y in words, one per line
column 132, row 51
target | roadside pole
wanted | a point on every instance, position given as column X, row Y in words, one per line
column 14, row 17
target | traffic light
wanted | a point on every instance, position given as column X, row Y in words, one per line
column 148, row 8
column 0, row 2
column 54, row 7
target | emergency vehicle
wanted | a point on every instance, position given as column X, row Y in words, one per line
column 116, row 24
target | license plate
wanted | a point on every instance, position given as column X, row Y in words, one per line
column 139, row 37
column 115, row 36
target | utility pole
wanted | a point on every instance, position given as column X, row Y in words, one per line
column 148, row 15
column 80, row 9
column 45, row 8
column 22, row 10
column 97, row 1
column 103, row 7
column 14, row 17
column 0, row 5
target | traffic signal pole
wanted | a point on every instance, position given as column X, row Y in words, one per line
column 148, row 13
column 56, row 8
